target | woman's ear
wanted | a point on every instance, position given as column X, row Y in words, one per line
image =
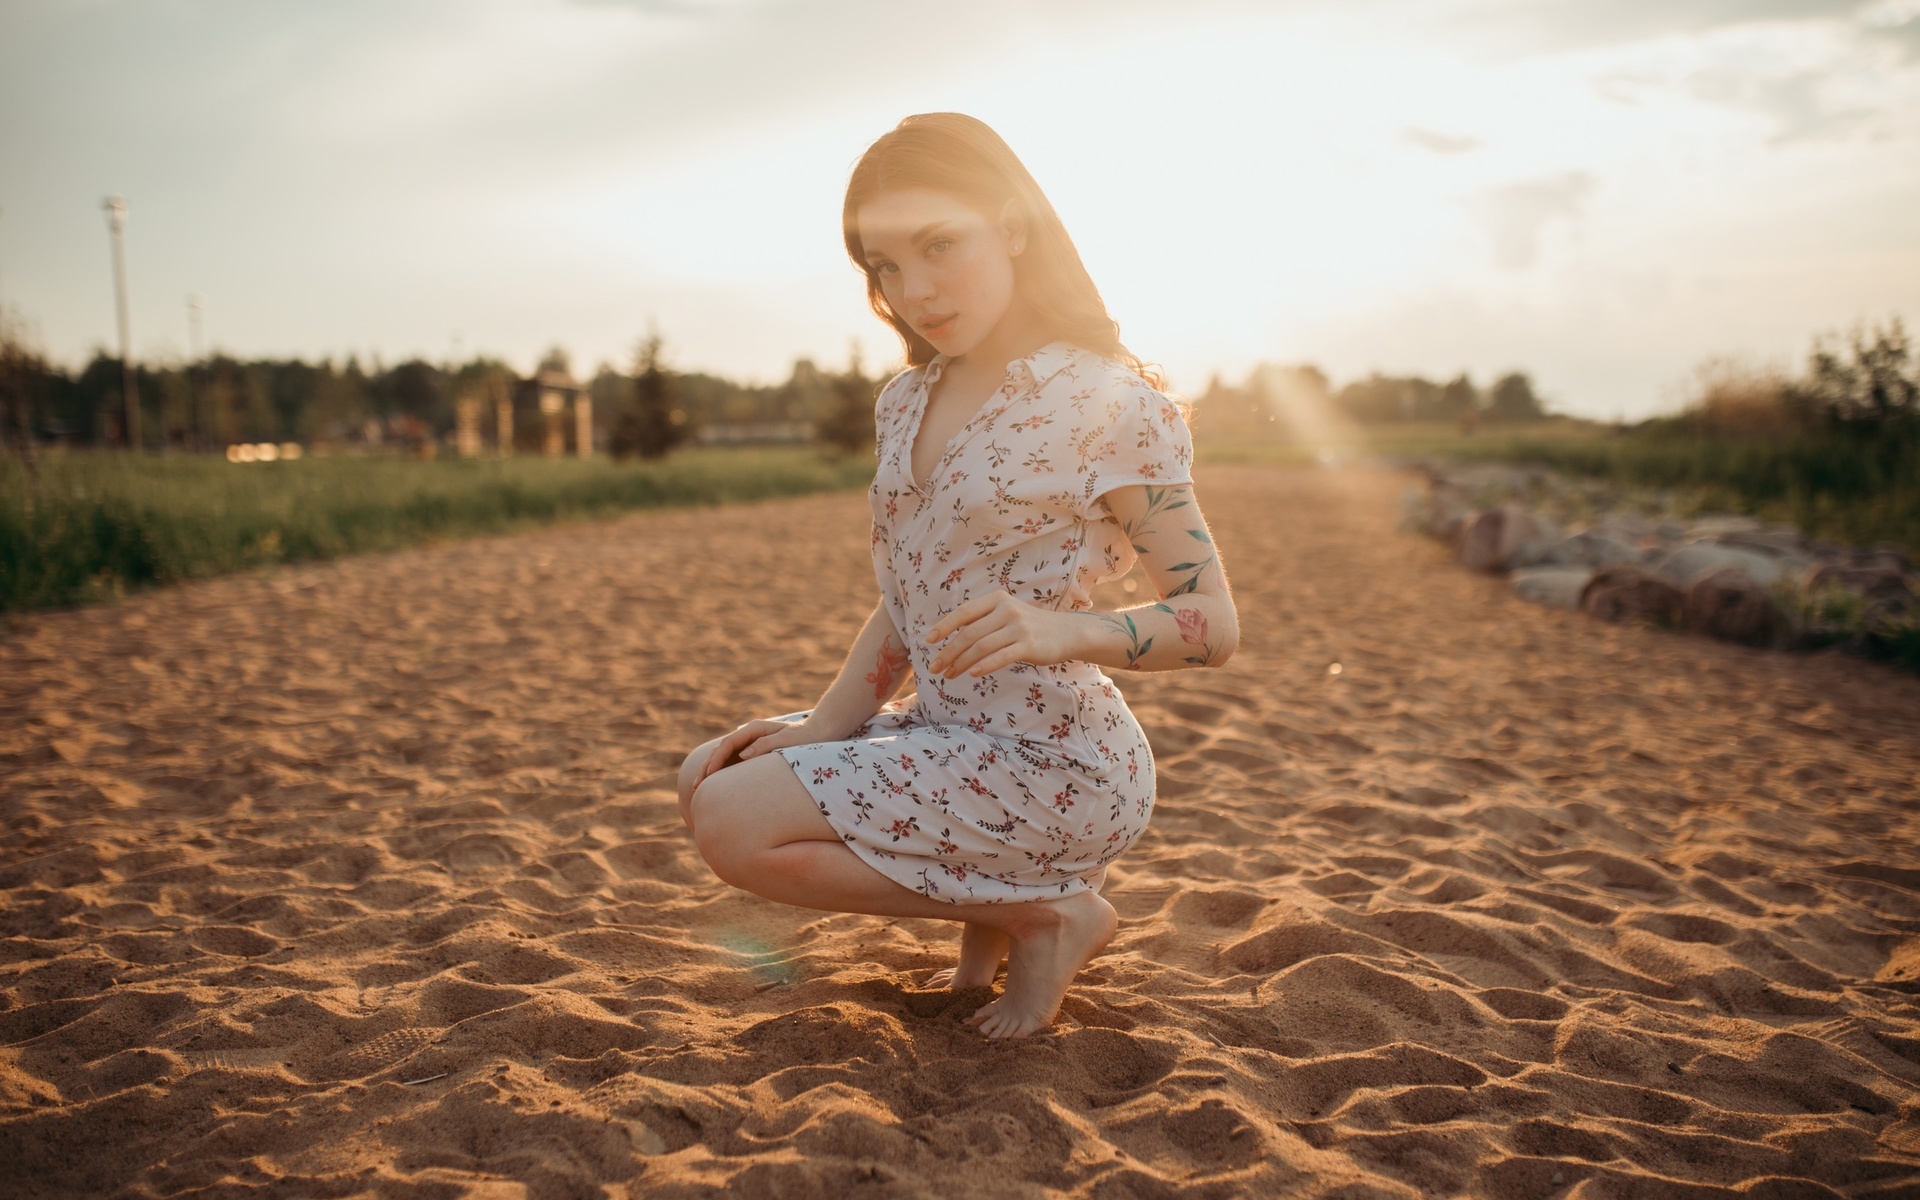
column 1014, row 223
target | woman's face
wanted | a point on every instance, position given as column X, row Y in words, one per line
column 946, row 269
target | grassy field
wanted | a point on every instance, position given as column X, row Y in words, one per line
column 1853, row 488
column 1441, row 439
column 1856, row 488
column 95, row 524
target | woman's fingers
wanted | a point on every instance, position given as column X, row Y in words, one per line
column 966, row 636
column 1001, row 658
column 762, row 744
column 997, row 642
column 735, row 742
column 972, row 610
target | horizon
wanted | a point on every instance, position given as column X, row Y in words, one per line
column 1600, row 195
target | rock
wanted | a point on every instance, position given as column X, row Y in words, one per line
column 1589, row 549
column 1716, row 527
column 1695, row 559
column 1726, row 603
column 1777, row 541
column 1625, row 527
column 1558, row 587
column 1490, row 538
column 1538, row 549
column 1868, row 575
column 1630, row 595
column 1437, row 513
column 1892, row 610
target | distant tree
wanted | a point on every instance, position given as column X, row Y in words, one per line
column 172, row 392
column 259, row 419
column 413, row 390
column 1868, row 382
column 847, row 425
column 1388, row 398
column 611, row 390
column 1458, row 398
column 806, row 395
column 1512, row 399
column 651, row 423
column 24, row 376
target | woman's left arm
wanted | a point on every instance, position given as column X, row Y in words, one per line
column 1193, row 624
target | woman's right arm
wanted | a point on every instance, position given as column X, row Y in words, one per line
column 872, row 673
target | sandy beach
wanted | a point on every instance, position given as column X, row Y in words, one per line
column 366, row 879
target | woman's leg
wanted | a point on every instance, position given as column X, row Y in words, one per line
column 689, row 772
column 983, row 948
column 757, row 827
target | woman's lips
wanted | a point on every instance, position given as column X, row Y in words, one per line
column 934, row 329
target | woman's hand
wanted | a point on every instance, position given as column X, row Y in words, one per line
column 995, row 630
column 756, row 738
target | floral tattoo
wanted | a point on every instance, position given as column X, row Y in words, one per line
column 887, row 666
column 1124, row 623
column 1193, row 631
column 1167, row 499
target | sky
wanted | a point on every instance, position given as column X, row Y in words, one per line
column 1603, row 193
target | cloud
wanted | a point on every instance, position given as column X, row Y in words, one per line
column 1795, row 103
column 1563, row 25
column 1439, row 143
column 1904, row 37
column 1518, row 215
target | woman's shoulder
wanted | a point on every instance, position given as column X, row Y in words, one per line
column 894, row 392
column 904, row 376
column 1120, row 388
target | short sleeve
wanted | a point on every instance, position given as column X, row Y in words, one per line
column 1142, row 438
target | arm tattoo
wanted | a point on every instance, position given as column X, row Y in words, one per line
column 887, row 666
column 1124, row 624
column 1167, row 499
column 1193, row 631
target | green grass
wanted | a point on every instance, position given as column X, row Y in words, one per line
column 96, row 524
column 1856, row 488
column 1859, row 488
column 1400, row 439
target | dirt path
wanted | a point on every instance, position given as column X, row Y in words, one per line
column 1514, row 904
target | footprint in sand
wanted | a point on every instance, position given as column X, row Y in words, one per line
column 370, row 1058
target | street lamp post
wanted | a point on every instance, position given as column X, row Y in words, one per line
column 116, row 209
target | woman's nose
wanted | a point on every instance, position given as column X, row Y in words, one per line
column 917, row 285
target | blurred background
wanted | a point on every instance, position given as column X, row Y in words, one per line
column 569, row 229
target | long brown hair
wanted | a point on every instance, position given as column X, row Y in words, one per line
column 964, row 158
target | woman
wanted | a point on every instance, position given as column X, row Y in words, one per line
column 1024, row 456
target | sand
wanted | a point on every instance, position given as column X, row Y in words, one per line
column 365, row 879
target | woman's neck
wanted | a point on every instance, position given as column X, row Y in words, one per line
column 1018, row 334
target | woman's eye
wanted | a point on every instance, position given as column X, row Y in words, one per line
column 884, row 268
column 939, row 245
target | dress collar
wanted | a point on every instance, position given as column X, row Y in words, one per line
column 1040, row 365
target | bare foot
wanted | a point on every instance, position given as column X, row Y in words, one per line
column 1052, row 940
column 982, row 950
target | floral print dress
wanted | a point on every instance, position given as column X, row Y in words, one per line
column 1021, row 783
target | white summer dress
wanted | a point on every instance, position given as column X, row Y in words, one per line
column 1021, row 783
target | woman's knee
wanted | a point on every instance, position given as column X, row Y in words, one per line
column 726, row 844
column 689, row 774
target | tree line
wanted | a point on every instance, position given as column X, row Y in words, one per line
column 645, row 410
column 1272, row 394
column 349, row 404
